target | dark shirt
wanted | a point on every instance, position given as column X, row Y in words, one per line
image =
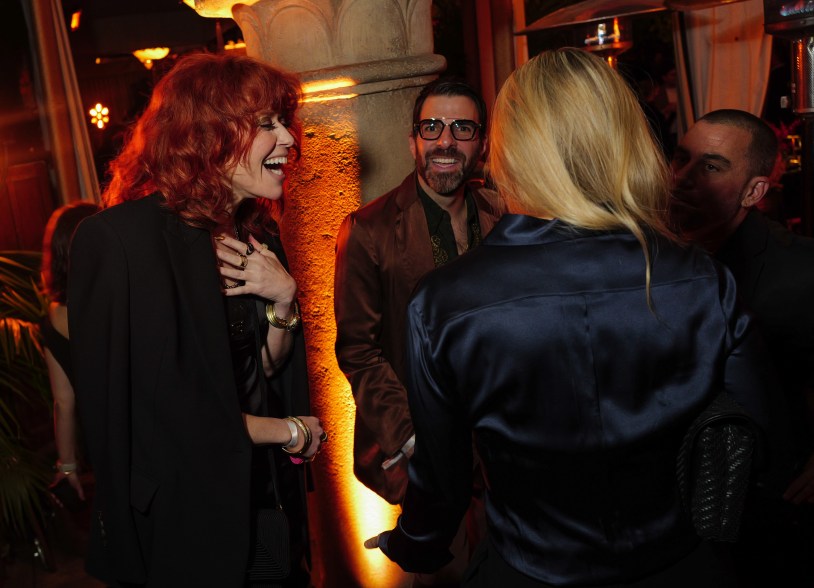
column 439, row 223
column 57, row 345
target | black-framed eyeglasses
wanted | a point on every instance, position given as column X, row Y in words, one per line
column 462, row 129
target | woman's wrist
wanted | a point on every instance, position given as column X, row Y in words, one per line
column 282, row 308
column 295, row 435
column 303, row 433
column 287, row 321
column 66, row 467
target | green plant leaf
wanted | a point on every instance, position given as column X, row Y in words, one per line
column 24, row 476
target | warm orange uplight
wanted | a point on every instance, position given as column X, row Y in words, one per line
column 328, row 97
column 324, row 188
column 325, row 85
column 323, row 90
column 75, row 17
column 99, row 116
column 616, row 31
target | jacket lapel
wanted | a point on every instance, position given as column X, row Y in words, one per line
column 198, row 284
column 488, row 211
column 745, row 254
column 411, row 232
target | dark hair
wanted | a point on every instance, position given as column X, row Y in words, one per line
column 56, row 244
column 449, row 87
column 763, row 148
column 202, row 118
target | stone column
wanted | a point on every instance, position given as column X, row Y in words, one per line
column 375, row 53
column 362, row 63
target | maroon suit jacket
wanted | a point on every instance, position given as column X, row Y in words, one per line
column 383, row 250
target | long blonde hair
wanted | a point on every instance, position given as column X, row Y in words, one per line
column 570, row 141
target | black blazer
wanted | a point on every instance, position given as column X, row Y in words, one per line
column 157, row 399
column 774, row 270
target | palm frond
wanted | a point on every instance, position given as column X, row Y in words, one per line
column 24, row 479
column 20, row 295
column 24, row 382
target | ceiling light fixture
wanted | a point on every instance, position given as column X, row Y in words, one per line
column 147, row 56
column 216, row 8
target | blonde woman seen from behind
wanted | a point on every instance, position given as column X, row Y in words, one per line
column 580, row 363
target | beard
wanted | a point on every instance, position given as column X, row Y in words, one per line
column 446, row 182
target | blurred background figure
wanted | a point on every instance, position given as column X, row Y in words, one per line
column 54, row 329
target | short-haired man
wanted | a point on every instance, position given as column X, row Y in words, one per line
column 721, row 170
column 384, row 248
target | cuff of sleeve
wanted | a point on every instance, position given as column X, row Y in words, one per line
column 410, row 553
column 405, row 451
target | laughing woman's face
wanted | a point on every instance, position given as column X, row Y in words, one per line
column 261, row 174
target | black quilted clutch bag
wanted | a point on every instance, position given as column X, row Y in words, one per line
column 715, row 466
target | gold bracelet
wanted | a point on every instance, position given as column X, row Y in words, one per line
column 279, row 323
column 306, row 431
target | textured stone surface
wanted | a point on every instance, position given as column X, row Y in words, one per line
column 362, row 63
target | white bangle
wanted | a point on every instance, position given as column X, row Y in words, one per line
column 66, row 468
column 295, row 434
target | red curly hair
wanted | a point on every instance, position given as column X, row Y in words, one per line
column 201, row 120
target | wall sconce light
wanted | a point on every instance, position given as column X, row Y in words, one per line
column 147, row 56
column 235, row 46
column 99, row 115
column 75, row 18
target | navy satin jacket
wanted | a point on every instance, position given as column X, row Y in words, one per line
column 578, row 395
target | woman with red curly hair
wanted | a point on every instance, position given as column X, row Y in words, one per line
column 184, row 338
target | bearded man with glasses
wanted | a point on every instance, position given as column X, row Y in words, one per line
column 383, row 250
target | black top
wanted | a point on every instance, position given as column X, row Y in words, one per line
column 246, row 336
column 275, row 480
column 57, row 345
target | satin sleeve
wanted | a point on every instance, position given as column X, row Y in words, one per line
column 440, row 472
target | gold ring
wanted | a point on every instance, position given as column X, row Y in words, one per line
column 264, row 247
column 324, row 437
column 243, row 261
